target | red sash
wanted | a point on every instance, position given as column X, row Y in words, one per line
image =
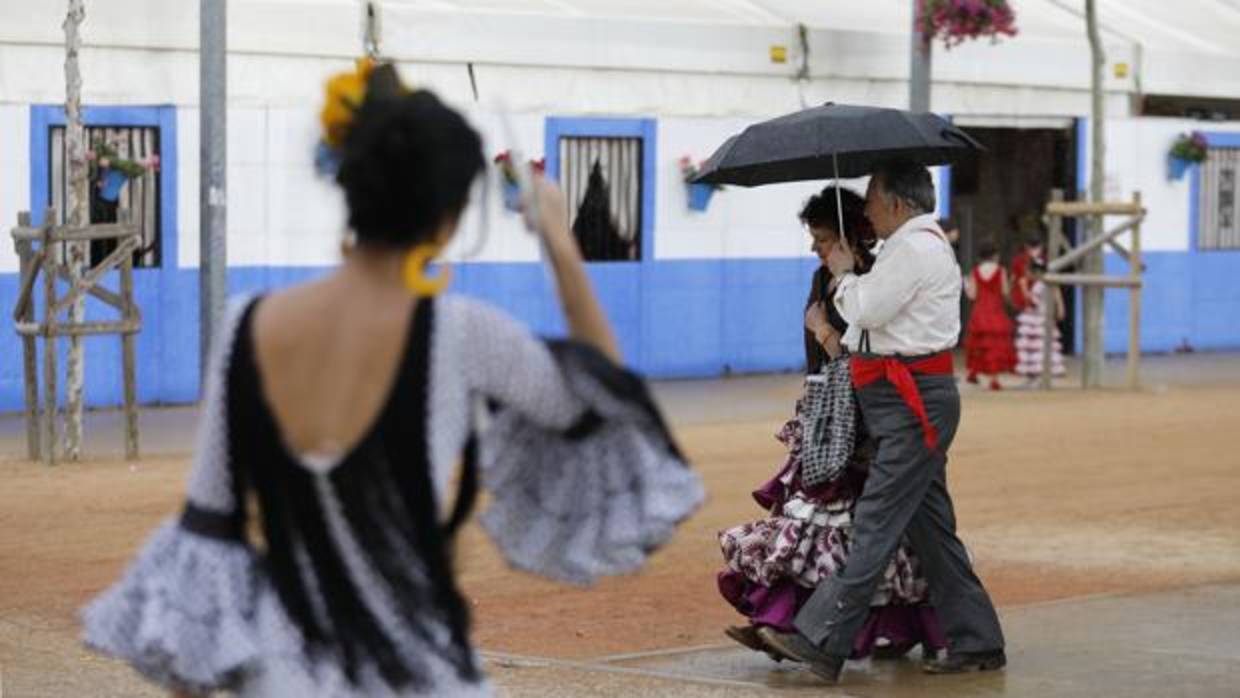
column 900, row 374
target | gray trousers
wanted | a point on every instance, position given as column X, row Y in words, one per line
column 905, row 494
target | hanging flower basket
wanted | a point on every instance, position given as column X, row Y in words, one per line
column 110, row 184
column 699, row 194
column 110, row 172
column 1188, row 150
column 957, row 21
column 1176, row 168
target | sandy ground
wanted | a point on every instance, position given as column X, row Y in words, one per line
column 1059, row 495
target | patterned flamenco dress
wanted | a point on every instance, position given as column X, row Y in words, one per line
column 989, row 347
column 1030, row 331
column 774, row 564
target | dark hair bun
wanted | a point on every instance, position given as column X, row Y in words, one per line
column 408, row 163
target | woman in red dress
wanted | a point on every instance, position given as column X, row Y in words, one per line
column 989, row 348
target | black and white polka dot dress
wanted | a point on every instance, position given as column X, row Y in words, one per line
column 584, row 481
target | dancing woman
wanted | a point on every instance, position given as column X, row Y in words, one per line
column 341, row 407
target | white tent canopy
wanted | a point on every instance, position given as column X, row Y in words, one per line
column 625, row 56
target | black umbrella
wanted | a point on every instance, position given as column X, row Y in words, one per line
column 833, row 141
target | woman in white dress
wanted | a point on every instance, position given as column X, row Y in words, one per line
column 1031, row 324
column 342, row 408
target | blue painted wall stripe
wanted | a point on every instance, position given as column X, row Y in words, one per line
column 1082, row 183
column 675, row 318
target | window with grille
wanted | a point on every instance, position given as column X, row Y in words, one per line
column 602, row 180
column 1219, row 224
column 138, row 196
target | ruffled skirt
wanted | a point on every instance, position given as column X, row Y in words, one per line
column 774, row 564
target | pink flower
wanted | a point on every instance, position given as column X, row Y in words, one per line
column 90, row 155
column 153, row 162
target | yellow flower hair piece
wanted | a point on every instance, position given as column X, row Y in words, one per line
column 416, row 279
column 345, row 94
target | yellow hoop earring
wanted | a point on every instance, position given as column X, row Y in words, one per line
column 416, row 279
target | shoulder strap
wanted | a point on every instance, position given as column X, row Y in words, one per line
column 936, row 233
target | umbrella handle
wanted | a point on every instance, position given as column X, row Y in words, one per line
column 839, row 204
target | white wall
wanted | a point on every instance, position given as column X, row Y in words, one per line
column 280, row 212
column 1136, row 159
column 14, row 177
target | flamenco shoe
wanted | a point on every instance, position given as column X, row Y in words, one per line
column 994, row 384
column 971, row 378
column 747, row 636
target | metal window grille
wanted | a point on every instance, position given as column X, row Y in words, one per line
column 139, row 196
column 610, row 232
column 1219, row 206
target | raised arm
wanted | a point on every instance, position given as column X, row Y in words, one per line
column 586, row 320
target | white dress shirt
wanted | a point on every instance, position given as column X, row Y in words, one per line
column 910, row 300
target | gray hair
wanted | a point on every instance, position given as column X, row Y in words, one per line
column 909, row 182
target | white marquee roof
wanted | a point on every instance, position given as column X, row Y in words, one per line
column 1185, row 47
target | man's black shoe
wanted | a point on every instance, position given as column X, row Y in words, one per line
column 961, row 662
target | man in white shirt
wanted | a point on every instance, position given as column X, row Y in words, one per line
column 904, row 319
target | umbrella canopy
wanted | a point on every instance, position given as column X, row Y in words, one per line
column 833, row 141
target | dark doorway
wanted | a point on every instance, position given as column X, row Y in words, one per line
column 1001, row 195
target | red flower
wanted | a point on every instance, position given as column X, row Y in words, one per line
column 956, row 21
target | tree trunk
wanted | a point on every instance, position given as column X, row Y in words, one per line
column 77, row 213
column 1092, row 371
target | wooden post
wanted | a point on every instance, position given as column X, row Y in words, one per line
column 1134, row 304
column 130, row 315
column 41, row 427
column 30, row 357
column 1048, row 304
column 49, row 342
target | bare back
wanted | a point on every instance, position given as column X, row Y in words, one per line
column 327, row 355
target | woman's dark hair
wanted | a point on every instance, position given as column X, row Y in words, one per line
column 407, row 163
column 987, row 249
column 820, row 211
